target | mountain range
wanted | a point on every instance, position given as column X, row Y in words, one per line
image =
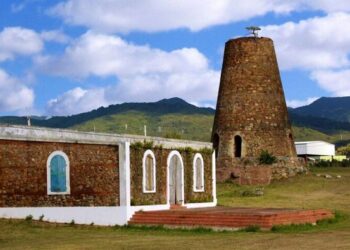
column 327, row 118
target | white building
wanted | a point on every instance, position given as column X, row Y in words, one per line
column 315, row 149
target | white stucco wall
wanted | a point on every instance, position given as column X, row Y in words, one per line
column 105, row 216
column 315, row 148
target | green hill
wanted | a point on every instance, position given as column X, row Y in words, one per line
column 334, row 108
column 166, row 106
column 181, row 126
column 176, row 118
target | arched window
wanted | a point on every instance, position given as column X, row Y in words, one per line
column 238, row 146
column 198, row 173
column 149, row 172
column 58, row 173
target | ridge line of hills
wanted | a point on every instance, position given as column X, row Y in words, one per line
column 325, row 119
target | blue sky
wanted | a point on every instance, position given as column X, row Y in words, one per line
column 66, row 57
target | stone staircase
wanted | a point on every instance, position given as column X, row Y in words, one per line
column 228, row 218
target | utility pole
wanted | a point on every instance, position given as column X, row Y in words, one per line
column 145, row 130
column 28, row 121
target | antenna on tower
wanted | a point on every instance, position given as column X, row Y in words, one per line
column 253, row 30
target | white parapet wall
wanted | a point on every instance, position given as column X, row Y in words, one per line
column 25, row 133
column 104, row 216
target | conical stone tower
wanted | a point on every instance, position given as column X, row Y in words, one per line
column 251, row 113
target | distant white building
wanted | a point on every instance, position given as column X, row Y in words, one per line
column 315, row 149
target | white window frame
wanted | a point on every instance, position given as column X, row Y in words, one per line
column 198, row 156
column 48, row 170
column 148, row 152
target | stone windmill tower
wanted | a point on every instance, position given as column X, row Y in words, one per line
column 251, row 113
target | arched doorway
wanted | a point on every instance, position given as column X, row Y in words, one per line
column 175, row 179
column 238, row 146
column 216, row 144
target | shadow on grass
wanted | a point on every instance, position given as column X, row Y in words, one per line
column 320, row 225
column 161, row 228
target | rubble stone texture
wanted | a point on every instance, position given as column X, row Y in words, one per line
column 251, row 113
column 94, row 178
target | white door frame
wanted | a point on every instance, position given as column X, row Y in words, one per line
column 170, row 156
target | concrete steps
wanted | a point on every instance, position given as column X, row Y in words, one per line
column 228, row 217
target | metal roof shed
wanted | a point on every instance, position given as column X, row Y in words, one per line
column 316, row 148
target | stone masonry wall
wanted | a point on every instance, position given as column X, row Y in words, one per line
column 160, row 196
column 248, row 171
column 251, row 103
column 94, row 174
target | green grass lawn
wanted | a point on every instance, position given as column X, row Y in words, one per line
column 300, row 192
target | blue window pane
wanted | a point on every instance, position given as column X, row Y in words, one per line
column 58, row 167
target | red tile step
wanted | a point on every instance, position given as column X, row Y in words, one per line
column 228, row 217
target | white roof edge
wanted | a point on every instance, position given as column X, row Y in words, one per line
column 32, row 133
column 309, row 142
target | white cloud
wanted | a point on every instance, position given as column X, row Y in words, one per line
column 105, row 55
column 14, row 95
column 319, row 45
column 126, row 16
column 299, row 103
column 54, row 36
column 143, row 73
column 325, row 5
column 315, row 43
column 336, row 82
column 76, row 101
column 19, row 41
column 15, row 8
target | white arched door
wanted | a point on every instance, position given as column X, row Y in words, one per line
column 175, row 179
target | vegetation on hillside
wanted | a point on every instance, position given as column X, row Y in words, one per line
column 344, row 150
column 334, row 108
column 175, row 118
column 179, row 126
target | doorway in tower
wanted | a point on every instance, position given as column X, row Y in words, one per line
column 238, row 146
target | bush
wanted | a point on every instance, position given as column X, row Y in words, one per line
column 251, row 228
column 29, row 217
column 41, row 217
column 259, row 191
column 333, row 163
column 266, row 158
column 345, row 150
column 173, row 135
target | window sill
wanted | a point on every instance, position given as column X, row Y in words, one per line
column 198, row 190
column 58, row 193
column 149, row 192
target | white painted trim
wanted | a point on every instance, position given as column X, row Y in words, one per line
column 213, row 165
column 32, row 133
column 149, row 208
column 124, row 174
column 200, row 157
column 171, row 154
column 200, row 205
column 104, row 216
column 148, row 152
column 48, row 173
